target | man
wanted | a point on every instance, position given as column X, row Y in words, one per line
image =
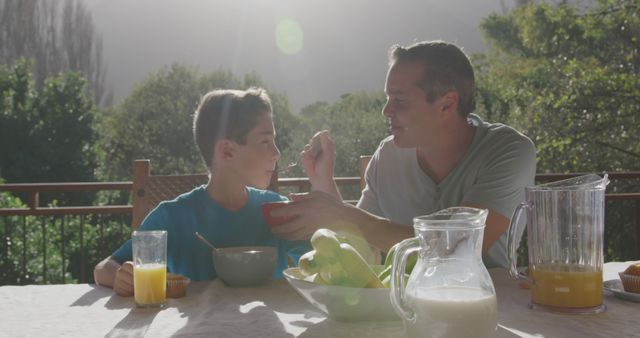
column 438, row 156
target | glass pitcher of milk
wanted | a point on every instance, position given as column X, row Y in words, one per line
column 449, row 292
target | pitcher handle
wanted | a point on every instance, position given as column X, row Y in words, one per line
column 398, row 294
column 512, row 245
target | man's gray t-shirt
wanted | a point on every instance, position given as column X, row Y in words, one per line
column 498, row 165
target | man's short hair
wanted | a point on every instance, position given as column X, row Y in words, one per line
column 227, row 114
column 447, row 68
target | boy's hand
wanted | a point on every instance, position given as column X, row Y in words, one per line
column 123, row 283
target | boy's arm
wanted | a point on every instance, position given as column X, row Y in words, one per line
column 112, row 274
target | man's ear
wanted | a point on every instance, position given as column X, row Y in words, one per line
column 449, row 102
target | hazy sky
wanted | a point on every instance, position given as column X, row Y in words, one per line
column 309, row 50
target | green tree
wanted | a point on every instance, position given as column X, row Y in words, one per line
column 46, row 135
column 569, row 78
column 155, row 121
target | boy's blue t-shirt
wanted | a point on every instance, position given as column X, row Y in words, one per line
column 196, row 211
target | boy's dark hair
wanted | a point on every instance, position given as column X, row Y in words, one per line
column 227, row 114
column 447, row 68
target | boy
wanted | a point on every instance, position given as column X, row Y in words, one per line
column 235, row 135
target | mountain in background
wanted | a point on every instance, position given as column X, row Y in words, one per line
column 334, row 46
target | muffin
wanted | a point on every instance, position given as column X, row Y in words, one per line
column 631, row 278
column 176, row 285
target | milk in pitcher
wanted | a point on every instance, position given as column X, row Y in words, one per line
column 452, row 312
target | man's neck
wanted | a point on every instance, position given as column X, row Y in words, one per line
column 438, row 160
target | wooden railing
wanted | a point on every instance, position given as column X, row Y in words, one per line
column 33, row 190
column 58, row 214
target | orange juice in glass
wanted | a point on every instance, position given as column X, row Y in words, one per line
column 570, row 286
column 150, row 283
column 149, row 268
column 565, row 236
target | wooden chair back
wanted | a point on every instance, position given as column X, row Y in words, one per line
column 149, row 190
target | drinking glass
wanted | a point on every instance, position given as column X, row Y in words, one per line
column 149, row 268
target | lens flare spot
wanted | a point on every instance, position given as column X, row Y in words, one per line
column 289, row 36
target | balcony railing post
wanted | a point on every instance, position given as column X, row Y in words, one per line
column 636, row 217
column 34, row 200
column 24, row 247
column 6, row 237
column 141, row 171
column 62, row 241
column 82, row 258
column 43, row 226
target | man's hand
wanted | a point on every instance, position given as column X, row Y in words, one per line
column 123, row 283
column 318, row 159
column 310, row 211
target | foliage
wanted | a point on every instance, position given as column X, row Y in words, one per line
column 52, row 249
column 46, row 135
column 569, row 78
column 356, row 125
column 49, row 250
column 155, row 121
column 7, row 263
column 567, row 75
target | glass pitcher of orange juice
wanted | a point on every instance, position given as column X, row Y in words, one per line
column 565, row 232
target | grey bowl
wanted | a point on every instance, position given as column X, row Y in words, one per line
column 245, row 266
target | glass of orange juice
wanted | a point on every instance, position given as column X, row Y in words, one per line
column 149, row 268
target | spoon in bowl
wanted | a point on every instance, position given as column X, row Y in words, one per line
column 204, row 240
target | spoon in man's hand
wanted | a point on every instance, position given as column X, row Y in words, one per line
column 315, row 145
column 288, row 167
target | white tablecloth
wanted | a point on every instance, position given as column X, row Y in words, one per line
column 212, row 310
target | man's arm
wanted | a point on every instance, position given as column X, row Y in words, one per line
column 320, row 210
column 496, row 225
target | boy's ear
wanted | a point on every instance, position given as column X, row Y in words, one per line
column 225, row 149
